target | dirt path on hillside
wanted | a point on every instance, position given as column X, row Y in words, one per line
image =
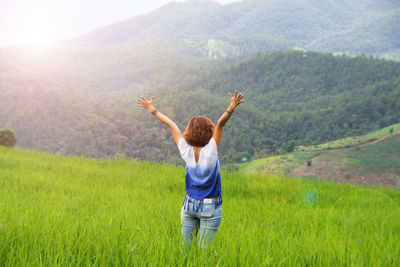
column 331, row 167
column 380, row 139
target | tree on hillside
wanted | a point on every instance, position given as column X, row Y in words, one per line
column 391, row 130
column 7, row 138
column 289, row 147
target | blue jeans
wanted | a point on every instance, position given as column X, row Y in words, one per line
column 207, row 218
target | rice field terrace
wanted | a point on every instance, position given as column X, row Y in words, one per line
column 74, row 211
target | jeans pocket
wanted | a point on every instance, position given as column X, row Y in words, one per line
column 209, row 211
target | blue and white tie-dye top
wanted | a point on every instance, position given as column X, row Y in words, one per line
column 202, row 179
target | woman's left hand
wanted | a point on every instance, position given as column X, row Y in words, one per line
column 144, row 103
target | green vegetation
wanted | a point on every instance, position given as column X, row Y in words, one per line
column 280, row 165
column 7, row 138
column 381, row 157
column 376, row 163
column 289, row 147
column 244, row 167
column 75, row 211
column 87, row 105
column 71, row 211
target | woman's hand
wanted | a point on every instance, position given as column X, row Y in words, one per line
column 219, row 129
column 144, row 103
column 235, row 100
column 149, row 105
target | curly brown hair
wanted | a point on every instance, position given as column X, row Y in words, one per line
column 199, row 131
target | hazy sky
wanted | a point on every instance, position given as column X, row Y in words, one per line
column 38, row 22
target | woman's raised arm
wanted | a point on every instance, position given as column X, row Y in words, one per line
column 219, row 129
column 149, row 105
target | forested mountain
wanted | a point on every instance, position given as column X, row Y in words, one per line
column 79, row 97
column 354, row 27
column 86, row 105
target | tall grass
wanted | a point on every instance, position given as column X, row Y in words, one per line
column 71, row 211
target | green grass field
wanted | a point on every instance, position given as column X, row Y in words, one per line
column 72, row 211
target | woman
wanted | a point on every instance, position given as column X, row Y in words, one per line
column 198, row 146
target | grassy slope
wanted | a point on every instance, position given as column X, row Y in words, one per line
column 284, row 163
column 383, row 156
column 73, row 211
column 353, row 141
column 279, row 165
column 377, row 163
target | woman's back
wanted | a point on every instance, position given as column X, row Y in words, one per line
column 203, row 178
column 197, row 150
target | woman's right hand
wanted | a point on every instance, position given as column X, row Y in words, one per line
column 146, row 104
column 235, row 100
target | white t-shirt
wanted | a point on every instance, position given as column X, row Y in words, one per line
column 208, row 154
column 202, row 179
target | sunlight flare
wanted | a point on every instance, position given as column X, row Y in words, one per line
column 37, row 38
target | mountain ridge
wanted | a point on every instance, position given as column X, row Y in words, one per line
column 295, row 23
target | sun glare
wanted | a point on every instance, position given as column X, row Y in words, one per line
column 36, row 38
column 37, row 51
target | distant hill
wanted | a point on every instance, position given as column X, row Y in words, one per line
column 353, row 27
